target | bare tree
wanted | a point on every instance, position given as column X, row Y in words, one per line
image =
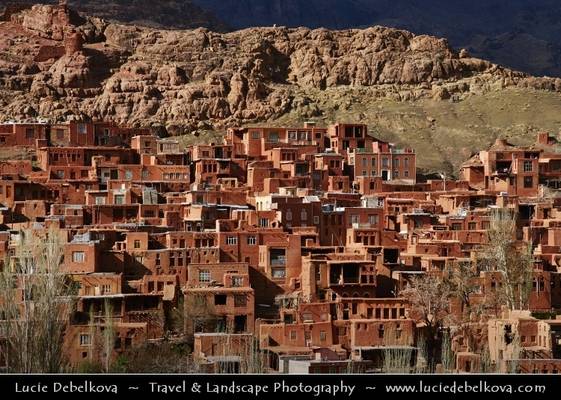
column 109, row 336
column 511, row 260
column 429, row 297
column 464, row 282
column 35, row 303
column 462, row 277
column 447, row 353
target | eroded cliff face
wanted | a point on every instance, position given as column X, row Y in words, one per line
column 56, row 65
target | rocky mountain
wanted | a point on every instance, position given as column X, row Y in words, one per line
column 56, row 64
column 520, row 34
column 178, row 14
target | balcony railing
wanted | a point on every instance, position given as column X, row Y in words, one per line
column 278, row 262
column 363, row 225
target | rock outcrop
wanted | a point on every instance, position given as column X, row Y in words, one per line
column 198, row 78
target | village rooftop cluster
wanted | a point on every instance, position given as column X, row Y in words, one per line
column 295, row 245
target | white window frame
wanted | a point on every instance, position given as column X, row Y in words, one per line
column 78, row 257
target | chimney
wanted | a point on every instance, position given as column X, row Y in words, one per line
column 543, row 138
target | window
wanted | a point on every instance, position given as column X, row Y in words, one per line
column 373, row 219
column 316, row 219
column 251, row 240
column 128, row 174
column 231, row 240
column 406, row 162
column 528, row 181
column 137, row 244
column 472, row 226
column 364, row 162
column 255, row 134
column 59, row 134
column 289, row 215
column 385, row 162
column 322, row 336
column 119, row 199
column 292, row 335
column 240, row 300
column 220, row 299
column 78, row 256
column 204, row 276
column 106, row 288
column 304, row 215
column 29, row 133
column 396, row 163
column 237, row 281
column 263, row 222
column 85, row 339
column 527, row 166
column 278, row 273
column 82, row 129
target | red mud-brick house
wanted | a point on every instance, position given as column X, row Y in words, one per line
column 219, row 297
column 515, row 170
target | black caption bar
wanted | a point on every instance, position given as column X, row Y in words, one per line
column 278, row 386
